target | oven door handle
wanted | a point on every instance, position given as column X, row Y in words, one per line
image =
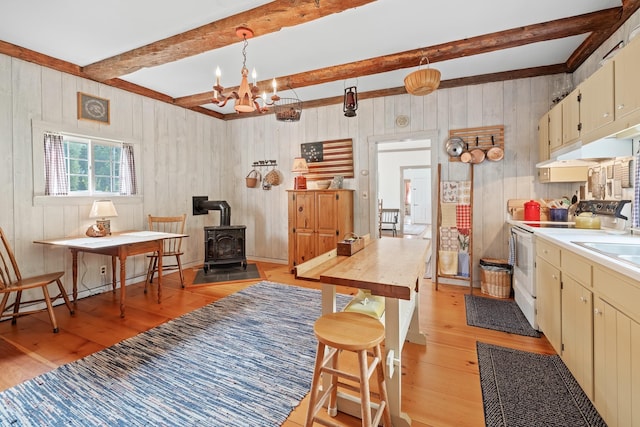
column 513, row 247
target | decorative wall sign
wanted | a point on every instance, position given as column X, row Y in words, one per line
column 93, row 108
column 327, row 159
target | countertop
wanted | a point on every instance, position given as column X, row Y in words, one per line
column 565, row 238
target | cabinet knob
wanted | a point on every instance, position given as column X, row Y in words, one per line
column 620, row 106
column 583, row 299
column 605, row 115
column 554, row 277
column 597, row 312
column 300, row 209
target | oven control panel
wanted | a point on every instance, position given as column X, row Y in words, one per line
column 612, row 208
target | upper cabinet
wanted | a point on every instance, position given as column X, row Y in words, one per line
column 543, row 138
column 596, row 96
column 627, row 84
column 571, row 127
column 555, row 128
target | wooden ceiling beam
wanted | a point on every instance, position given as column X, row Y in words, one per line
column 444, row 84
column 515, row 37
column 269, row 18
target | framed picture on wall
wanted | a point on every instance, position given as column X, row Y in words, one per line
column 93, row 108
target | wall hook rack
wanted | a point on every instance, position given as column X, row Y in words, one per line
column 265, row 163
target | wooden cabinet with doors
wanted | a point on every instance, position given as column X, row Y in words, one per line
column 596, row 100
column 318, row 219
column 543, row 138
column 549, row 292
column 616, row 347
column 627, row 85
column 577, row 319
column 571, row 126
column 555, row 127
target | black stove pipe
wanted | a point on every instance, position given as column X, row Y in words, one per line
column 202, row 205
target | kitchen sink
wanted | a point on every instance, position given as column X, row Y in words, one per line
column 627, row 252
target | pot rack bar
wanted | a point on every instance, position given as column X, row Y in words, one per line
column 483, row 138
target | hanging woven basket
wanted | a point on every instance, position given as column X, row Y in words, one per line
column 288, row 109
column 422, row 82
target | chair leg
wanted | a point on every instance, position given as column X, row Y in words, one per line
column 65, row 297
column 152, row 266
column 52, row 316
column 382, row 388
column 365, row 396
column 315, row 382
column 180, row 270
column 3, row 305
column 16, row 307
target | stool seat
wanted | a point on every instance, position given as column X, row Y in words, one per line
column 358, row 333
column 349, row 331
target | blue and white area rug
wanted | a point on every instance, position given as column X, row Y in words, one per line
column 245, row 360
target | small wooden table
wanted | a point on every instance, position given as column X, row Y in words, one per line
column 389, row 267
column 118, row 246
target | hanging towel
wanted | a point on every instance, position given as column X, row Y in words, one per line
column 463, row 217
column 463, row 264
column 512, row 249
column 464, row 192
column 448, row 262
column 449, row 192
column 448, row 212
column 449, row 239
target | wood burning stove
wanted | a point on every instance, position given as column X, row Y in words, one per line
column 223, row 244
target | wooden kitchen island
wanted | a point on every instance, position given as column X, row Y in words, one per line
column 389, row 267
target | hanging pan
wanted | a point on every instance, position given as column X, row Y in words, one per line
column 454, row 146
column 495, row 153
column 477, row 154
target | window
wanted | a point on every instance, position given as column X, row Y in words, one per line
column 93, row 166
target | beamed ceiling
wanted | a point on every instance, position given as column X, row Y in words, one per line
column 169, row 50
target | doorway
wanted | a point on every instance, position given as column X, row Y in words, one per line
column 396, row 159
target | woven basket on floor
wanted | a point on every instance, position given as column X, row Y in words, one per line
column 496, row 283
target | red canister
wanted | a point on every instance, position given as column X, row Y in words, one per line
column 532, row 211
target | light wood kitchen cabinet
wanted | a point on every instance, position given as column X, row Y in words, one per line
column 571, row 117
column 563, row 174
column 555, row 127
column 543, row 138
column 596, row 100
column 616, row 348
column 627, row 85
column 577, row 319
column 549, row 292
column 318, row 219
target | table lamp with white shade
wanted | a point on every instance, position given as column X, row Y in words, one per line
column 300, row 166
column 103, row 209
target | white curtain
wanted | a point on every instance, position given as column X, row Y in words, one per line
column 56, row 180
column 128, row 183
column 636, row 192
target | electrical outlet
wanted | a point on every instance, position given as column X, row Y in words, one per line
column 103, row 270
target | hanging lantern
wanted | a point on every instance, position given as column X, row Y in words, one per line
column 350, row 103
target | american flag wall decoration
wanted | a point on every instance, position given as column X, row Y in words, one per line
column 327, row 159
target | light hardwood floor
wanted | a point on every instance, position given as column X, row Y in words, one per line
column 441, row 385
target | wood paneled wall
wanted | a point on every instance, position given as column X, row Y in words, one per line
column 184, row 154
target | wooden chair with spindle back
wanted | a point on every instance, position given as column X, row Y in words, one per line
column 171, row 248
column 12, row 282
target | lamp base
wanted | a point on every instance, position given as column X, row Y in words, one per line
column 106, row 224
column 300, row 183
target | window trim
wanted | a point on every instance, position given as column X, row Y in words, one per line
column 38, row 129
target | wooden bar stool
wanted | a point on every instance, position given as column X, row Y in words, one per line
column 361, row 334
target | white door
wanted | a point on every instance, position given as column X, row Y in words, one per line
column 420, row 197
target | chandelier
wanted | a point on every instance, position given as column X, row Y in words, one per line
column 246, row 97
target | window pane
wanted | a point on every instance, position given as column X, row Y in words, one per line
column 78, row 183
